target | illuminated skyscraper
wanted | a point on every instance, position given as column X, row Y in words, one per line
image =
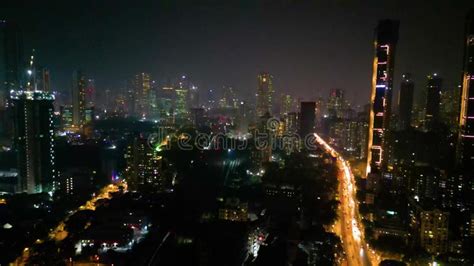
column 336, row 104
column 142, row 86
column 66, row 117
column 386, row 37
column 264, row 94
column 33, row 138
column 154, row 110
column 165, row 103
column 405, row 101
column 449, row 107
column 287, row 105
column 78, row 98
column 433, row 94
column 291, row 123
column 181, row 102
column 466, row 118
column 143, row 165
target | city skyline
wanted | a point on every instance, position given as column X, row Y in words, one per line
column 264, row 36
column 239, row 159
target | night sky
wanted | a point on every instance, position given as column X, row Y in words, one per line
column 309, row 46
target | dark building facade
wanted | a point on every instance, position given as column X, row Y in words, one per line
column 33, row 140
column 433, row 96
column 78, row 98
column 11, row 59
column 307, row 118
column 386, row 37
column 405, row 101
column 11, row 66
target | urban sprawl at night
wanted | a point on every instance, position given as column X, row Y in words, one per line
column 264, row 132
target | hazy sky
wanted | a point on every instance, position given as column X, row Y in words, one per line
column 308, row 46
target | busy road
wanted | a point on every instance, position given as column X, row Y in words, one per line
column 349, row 226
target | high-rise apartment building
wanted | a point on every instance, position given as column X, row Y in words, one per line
column 336, row 104
column 78, row 98
column 141, row 89
column 449, row 107
column 181, row 102
column 34, row 140
column 66, row 112
column 307, row 118
column 386, row 37
column 466, row 117
column 405, row 101
column 143, row 165
column 264, row 94
column 287, row 105
column 433, row 96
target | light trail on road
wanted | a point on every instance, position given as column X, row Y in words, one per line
column 351, row 231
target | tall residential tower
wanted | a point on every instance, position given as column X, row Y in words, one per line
column 307, row 118
column 405, row 101
column 142, row 87
column 336, row 104
column 466, row 118
column 386, row 37
column 78, row 98
column 433, row 96
column 264, row 94
column 34, row 140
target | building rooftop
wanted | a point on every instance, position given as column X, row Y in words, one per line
column 31, row 95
